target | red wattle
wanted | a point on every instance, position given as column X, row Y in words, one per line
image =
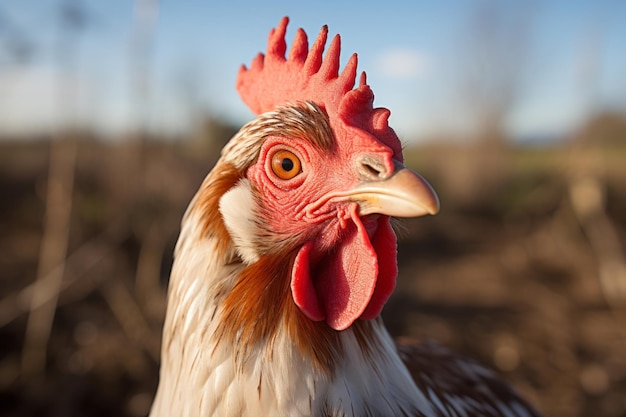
column 346, row 278
column 352, row 281
column 304, row 294
column 384, row 242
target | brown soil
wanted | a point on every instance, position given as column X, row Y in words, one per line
column 520, row 270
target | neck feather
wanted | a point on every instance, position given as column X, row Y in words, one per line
column 235, row 343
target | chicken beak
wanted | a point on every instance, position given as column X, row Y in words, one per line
column 403, row 194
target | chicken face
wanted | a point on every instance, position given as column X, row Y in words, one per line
column 323, row 173
column 331, row 201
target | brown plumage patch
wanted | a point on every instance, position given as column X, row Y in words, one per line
column 304, row 120
column 260, row 303
column 221, row 179
column 308, row 121
column 455, row 380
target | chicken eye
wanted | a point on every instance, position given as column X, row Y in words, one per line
column 285, row 164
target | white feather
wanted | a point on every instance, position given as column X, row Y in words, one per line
column 200, row 375
column 238, row 210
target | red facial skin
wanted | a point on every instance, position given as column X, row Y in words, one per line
column 345, row 268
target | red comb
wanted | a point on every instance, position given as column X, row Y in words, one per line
column 274, row 79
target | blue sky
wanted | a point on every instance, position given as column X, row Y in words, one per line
column 570, row 59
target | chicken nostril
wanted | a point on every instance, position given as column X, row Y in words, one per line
column 372, row 168
column 372, row 171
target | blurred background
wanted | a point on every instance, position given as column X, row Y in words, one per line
column 112, row 113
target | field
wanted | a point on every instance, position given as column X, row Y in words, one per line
column 523, row 269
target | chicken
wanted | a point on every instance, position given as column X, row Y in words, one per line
column 287, row 256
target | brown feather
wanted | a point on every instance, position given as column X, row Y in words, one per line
column 221, row 179
column 260, row 302
column 453, row 379
column 248, row 322
column 304, row 120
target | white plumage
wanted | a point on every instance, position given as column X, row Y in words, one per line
column 286, row 256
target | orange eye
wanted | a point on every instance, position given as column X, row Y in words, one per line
column 285, row 164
